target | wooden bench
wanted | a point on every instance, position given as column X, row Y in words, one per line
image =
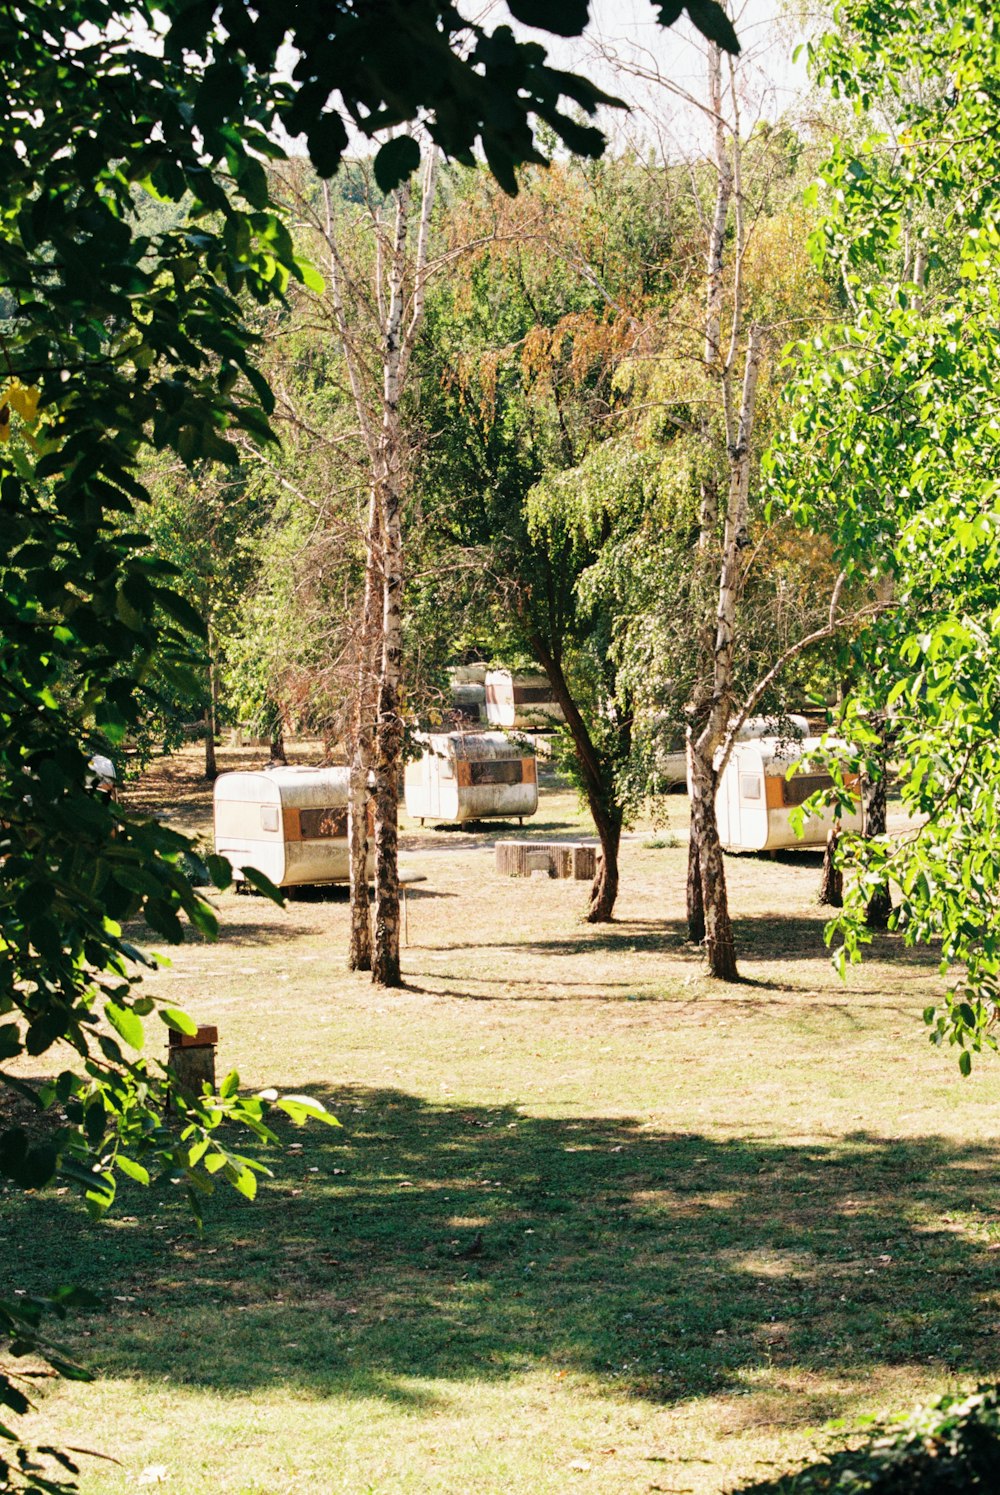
column 554, row 858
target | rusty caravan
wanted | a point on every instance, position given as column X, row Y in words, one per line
column 522, row 702
column 755, row 797
column 471, row 776
column 288, row 822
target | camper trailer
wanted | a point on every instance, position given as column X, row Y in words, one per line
column 782, row 728
column 289, row 823
column 471, row 776
column 754, row 799
column 523, row 702
column 467, row 697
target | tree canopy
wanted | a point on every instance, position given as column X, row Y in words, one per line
column 891, row 449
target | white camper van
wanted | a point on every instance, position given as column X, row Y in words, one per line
column 471, row 776
column 754, row 799
column 289, row 823
column 524, row 702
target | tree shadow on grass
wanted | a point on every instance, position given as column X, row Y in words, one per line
column 450, row 1243
column 800, row 937
column 774, row 937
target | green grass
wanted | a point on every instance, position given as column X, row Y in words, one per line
column 592, row 1222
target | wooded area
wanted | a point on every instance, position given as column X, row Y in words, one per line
column 367, row 371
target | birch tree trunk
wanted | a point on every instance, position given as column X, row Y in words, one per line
column 718, row 932
column 377, row 734
column 387, row 758
column 695, row 901
column 715, row 281
column 359, row 954
column 708, row 519
column 388, row 755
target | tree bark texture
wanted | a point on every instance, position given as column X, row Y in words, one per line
column 211, row 767
column 720, row 946
column 718, row 937
column 397, row 274
column 604, row 889
column 695, row 902
column 388, row 755
column 359, row 953
column 831, row 887
column 880, row 904
column 715, row 285
column 211, row 715
column 607, row 815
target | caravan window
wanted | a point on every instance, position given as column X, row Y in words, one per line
column 320, row 825
column 796, row 791
column 749, row 786
column 496, row 771
column 269, row 817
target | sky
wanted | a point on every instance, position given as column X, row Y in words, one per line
column 770, row 81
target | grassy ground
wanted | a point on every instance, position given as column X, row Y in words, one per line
column 592, row 1223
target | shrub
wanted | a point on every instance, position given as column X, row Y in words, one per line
column 949, row 1448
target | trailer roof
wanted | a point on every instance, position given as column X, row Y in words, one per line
column 475, row 746
column 287, row 784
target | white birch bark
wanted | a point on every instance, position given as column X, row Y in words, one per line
column 398, row 346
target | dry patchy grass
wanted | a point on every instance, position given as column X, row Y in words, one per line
column 592, row 1223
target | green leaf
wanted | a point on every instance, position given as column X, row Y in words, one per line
column 309, row 275
column 220, row 870
column 264, row 885
column 398, row 159
column 965, row 1062
column 244, row 1181
column 178, row 1021
column 302, row 1108
column 126, row 1024
column 131, row 1168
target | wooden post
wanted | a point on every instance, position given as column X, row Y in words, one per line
column 191, row 1060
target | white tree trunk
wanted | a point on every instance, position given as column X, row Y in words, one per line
column 388, row 757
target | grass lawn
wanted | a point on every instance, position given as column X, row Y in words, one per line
column 593, row 1223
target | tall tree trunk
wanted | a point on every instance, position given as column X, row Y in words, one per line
column 880, row 904
column 720, row 947
column 705, row 771
column 359, row 952
column 388, row 750
column 388, row 756
column 831, row 887
column 598, row 786
column 604, row 889
column 714, row 279
column 695, row 902
column 359, row 955
column 211, row 767
column 708, row 915
column 211, row 713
